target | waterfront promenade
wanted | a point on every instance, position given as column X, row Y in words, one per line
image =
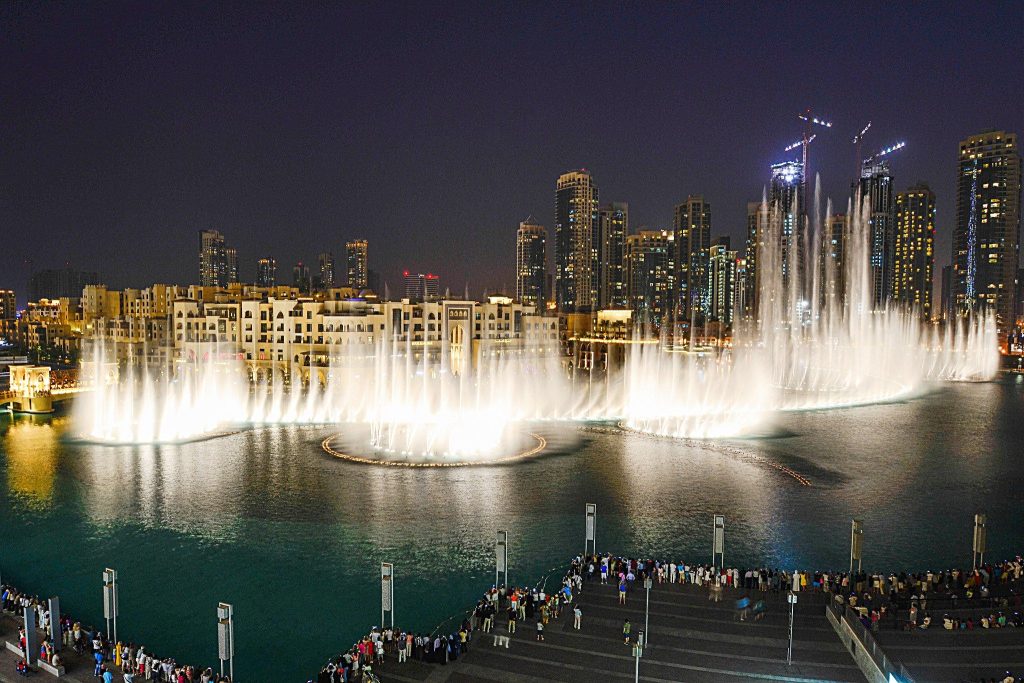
column 692, row 639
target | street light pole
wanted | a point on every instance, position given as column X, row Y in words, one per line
column 638, row 652
column 792, row 606
column 648, row 582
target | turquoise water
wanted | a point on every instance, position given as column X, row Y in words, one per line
column 293, row 538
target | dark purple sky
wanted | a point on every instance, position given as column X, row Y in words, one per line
column 432, row 129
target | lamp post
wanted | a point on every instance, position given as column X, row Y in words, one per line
column 226, row 637
column 980, row 533
column 590, row 540
column 792, row 606
column 648, row 582
column 110, row 607
column 638, row 652
column 501, row 559
column 856, row 542
column 718, row 542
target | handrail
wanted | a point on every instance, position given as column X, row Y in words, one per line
column 851, row 618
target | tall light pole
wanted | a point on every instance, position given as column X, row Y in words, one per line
column 590, row 540
column 979, row 539
column 638, row 652
column 110, row 600
column 792, row 606
column 856, row 541
column 226, row 637
column 648, row 582
column 501, row 559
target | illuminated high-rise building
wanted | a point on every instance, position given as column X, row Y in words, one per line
column 874, row 190
column 948, row 301
column 987, row 233
column 326, row 262
column 614, row 219
column 266, row 272
column 8, row 305
column 692, row 239
column 649, row 275
column 786, row 204
column 832, row 277
column 420, row 287
column 357, row 262
column 754, row 242
column 914, row 249
column 213, row 259
column 531, row 263
column 231, row 258
column 577, row 242
column 300, row 277
column 722, row 283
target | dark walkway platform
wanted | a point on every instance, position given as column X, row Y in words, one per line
column 939, row 655
column 691, row 640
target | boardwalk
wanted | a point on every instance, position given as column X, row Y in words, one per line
column 691, row 640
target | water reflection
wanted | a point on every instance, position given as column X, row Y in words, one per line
column 33, row 447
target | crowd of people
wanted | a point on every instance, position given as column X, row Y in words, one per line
column 896, row 600
column 134, row 663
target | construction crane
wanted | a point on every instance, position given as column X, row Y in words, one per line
column 885, row 151
column 810, row 120
column 858, row 139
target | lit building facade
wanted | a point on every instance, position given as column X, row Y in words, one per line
column 420, row 287
column 357, row 263
column 874, row 190
column 614, row 218
column 266, row 272
column 213, row 259
column 987, row 232
column 786, row 205
column 914, row 249
column 722, row 284
column 649, row 275
column 326, row 262
column 577, row 242
column 531, row 263
column 692, row 239
column 8, row 305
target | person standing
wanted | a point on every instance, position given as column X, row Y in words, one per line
column 626, row 628
column 540, row 629
column 577, row 616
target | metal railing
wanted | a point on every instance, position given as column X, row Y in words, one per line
column 851, row 619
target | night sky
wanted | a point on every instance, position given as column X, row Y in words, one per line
column 432, row 129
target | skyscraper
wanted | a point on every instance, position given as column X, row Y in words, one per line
column 914, row 253
column 649, row 274
column 754, row 242
column 531, row 263
column 54, row 284
column 8, row 305
column 692, row 243
column 874, row 191
column 577, row 242
column 326, row 263
column 420, row 287
column 266, row 272
column 231, row 259
column 948, row 300
column 832, row 278
column 300, row 277
column 614, row 219
column 987, row 233
column 786, row 205
column 722, row 280
column 357, row 262
column 213, row 259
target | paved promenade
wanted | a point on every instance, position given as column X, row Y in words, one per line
column 954, row 656
column 79, row 669
column 691, row 640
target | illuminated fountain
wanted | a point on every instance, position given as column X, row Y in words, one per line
column 818, row 342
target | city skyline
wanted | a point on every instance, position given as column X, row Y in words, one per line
column 110, row 190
